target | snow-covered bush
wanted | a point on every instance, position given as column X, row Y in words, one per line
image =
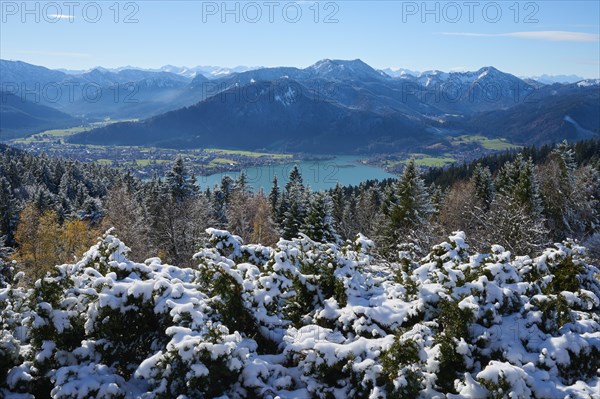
column 306, row 319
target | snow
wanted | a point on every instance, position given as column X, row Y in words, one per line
column 589, row 82
column 331, row 313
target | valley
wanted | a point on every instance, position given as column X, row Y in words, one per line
column 144, row 162
column 211, row 164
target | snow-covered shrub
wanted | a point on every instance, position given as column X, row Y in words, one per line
column 223, row 282
column 204, row 363
column 306, row 319
column 88, row 381
column 9, row 353
column 402, row 368
column 503, row 380
column 333, row 365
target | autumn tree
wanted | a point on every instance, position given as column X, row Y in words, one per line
column 38, row 237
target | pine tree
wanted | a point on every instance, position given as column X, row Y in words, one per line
column 226, row 186
column 437, row 197
column 408, row 204
column 349, row 226
column 484, row 185
column 518, row 181
column 318, row 224
column 293, row 218
column 43, row 199
column 180, row 183
column 294, row 179
column 293, row 205
column 241, row 183
column 275, row 199
column 9, row 210
column 6, row 267
column 338, row 204
column 527, row 190
column 367, row 208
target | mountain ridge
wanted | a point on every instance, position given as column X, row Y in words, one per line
column 330, row 97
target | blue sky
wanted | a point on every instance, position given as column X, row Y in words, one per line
column 523, row 38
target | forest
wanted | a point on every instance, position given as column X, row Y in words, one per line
column 474, row 281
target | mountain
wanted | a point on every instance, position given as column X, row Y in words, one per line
column 98, row 93
column 588, row 82
column 468, row 92
column 347, row 106
column 550, row 79
column 19, row 117
column 281, row 116
column 345, row 70
column 400, row 72
column 338, row 105
column 17, row 72
column 551, row 114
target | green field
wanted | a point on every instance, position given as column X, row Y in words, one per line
column 250, row 154
column 430, row 162
column 104, row 161
column 61, row 133
column 146, row 162
column 488, row 144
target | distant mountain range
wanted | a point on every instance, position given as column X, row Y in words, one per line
column 550, row 79
column 333, row 106
column 208, row 71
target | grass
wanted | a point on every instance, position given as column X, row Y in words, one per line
column 250, row 154
column 146, row 162
column 103, row 161
column 61, row 133
column 428, row 161
column 487, row 143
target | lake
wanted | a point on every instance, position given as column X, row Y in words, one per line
column 319, row 175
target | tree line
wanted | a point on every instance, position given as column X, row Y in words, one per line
column 51, row 208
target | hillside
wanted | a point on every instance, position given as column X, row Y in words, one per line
column 19, row 117
column 281, row 116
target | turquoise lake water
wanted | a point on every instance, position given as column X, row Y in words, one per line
column 319, row 175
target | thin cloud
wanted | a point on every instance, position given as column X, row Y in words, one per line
column 61, row 16
column 549, row 35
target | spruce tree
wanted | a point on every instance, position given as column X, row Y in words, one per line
column 318, row 224
column 338, row 204
column 179, row 182
column 518, row 181
column 274, row 197
column 408, row 204
column 293, row 205
column 484, row 185
column 6, row 268
column 9, row 210
column 367, row 208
